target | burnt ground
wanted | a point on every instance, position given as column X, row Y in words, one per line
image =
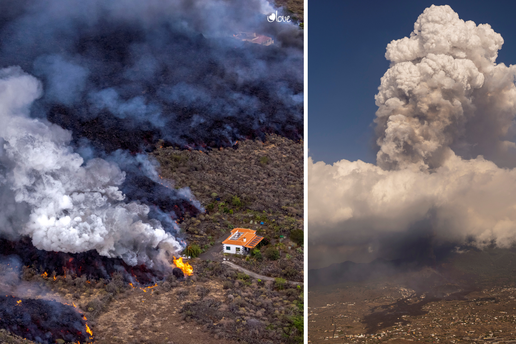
column 470, row 298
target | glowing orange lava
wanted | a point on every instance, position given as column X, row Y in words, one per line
column 88, row 330
column 184, row 266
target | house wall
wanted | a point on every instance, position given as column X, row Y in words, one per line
column 232, row 249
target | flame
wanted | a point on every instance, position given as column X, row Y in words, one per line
column 152, row 286
column 18, row 302
column 184, row 266
column 44, row 275
column 88, row 330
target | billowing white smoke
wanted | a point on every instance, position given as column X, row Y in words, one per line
column 445, row 121
column 49, row 193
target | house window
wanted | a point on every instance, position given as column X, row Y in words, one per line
column 238, row 249
column 228, row 248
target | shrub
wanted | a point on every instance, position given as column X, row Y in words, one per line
column 94, row 305
column 264, row 160
column 193, row 250
column 297, row 236
column 257, row 254
column 298, row 323
column 166, row 286
column 236, row 201
column 280, row 283
column 290, row 272
column 202, row 291
column 281, row 246
column 242, row 276
column 272, row 254
column 112, row 288
column 182, row 293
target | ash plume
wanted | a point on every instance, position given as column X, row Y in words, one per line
column 88, row 89
column 126, row 74
column 446, row 158
column 62, row 202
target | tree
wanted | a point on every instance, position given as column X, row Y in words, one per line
column 272, row 254
column 193, row 250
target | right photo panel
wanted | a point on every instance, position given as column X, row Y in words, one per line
column 411, row 172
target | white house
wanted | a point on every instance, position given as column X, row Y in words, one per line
column 241, row 241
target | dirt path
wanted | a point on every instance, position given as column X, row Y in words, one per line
column 253, row 274
column 214, row 253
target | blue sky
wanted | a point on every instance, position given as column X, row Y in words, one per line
column 347, row 41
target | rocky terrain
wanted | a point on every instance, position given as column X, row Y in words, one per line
column 256, row 185
column 215, row 305
column 397, row 314
column 469, row 298
column 296, row 7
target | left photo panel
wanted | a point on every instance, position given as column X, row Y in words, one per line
column 151, row 171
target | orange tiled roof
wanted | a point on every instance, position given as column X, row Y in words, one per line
column 243, row 237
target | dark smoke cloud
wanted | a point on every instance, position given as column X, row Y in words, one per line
column 445, row 127
column 87, row 87
column 171, row 68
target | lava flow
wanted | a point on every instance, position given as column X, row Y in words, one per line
column 184, row 266
column 43, row 321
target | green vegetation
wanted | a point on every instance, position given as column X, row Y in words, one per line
column 264, row 160
column 297, row 236
column 242, row 276
column 257, row 254
column 271, row 253
column 236, row 201
column 279, row 283
column 193, row 250
column 298, row 324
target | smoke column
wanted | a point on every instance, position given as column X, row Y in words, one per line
column 50, row 194
column 445, row 131
column 126, row 73
column 87, row 88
